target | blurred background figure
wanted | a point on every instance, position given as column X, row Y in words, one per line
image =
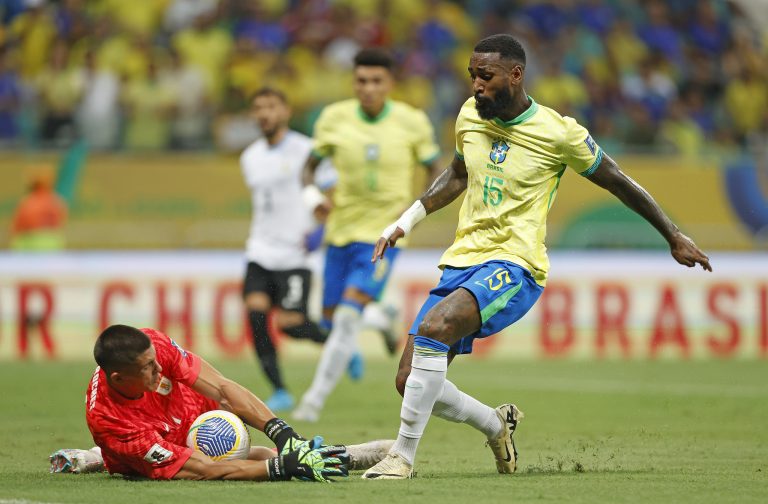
column 61, row 88
column 98, row 114
column 39, row 218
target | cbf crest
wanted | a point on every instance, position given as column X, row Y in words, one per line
column 499, row 150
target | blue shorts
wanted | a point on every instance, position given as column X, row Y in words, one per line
column 351, row 266
column 504, row 292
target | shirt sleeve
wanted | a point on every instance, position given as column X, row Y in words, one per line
column 580, row 152
column 143, row 452
column 178, row 364
column 425, row 147
column 322, row 140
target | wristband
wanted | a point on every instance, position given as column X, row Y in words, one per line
column 312, row 197
column 406, row 221
column 276, row 469
column 279, row 432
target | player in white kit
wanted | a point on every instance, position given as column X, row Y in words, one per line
column 277, row 275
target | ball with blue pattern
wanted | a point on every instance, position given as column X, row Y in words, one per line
column 221, row 435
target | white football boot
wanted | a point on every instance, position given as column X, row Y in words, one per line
column 503, row 447
column 365, row 455
column 73, row 460
column 392, row 467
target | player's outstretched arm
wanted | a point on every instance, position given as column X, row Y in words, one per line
column 232, row 396
column 447, row 187
column 683, row 249
column 311, row 465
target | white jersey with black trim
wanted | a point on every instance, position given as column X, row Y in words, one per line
column 280, row 220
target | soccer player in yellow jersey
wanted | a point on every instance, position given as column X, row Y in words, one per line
column 510, row 155
column 375, row 144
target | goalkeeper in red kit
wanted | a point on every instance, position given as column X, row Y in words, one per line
column 145, row 394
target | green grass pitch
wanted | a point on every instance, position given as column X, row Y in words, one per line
column 593, row 432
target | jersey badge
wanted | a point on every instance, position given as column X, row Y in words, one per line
column 165, row 386
column 499, row 150
column 157, row 454
column 372, row 152
column 590, row 144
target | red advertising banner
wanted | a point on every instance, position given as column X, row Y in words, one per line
column 595, row 305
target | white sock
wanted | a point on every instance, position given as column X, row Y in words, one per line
column 422, row 388
column 338, row 349
column 456, row 406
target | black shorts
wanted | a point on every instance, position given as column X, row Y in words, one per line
column 287, row 289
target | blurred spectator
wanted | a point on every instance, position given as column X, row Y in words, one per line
column 234, row 128
column 71, row 22
column 61, row 88
column 640, row 130
column 596, row 15
column 658, row 33
column 264, row 29
column 181, row 14
column 191, row 120
column 707, row 32
column 746, row 99
column 139, row 17
column 206, row 46
column 10, row 100
column 650, row 86
column 34, row 31
column 149, row 104
column 558, row 89
column 98, row 116
column 679, row 133
column 625, row 49
column 40, row 216
column 594, row 58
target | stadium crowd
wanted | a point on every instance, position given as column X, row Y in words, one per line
column 678, row 75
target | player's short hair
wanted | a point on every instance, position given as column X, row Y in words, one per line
column 269, row 91
column 118, row 346
column 374, row 56
column 506, row 45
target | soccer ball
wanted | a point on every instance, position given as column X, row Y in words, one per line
column 221, row 435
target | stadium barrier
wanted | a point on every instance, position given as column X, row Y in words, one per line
column 596, row 305
column 182, row 200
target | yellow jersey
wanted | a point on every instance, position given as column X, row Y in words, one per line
column 514, row 169
column 375, row 159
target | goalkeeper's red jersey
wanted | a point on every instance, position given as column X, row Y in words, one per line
column 147, row 436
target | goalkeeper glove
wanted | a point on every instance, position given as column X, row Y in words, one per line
column 318, row 464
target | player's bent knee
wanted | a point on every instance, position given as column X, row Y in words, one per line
column 286, row 320
column 437, row 327
column 257, row 301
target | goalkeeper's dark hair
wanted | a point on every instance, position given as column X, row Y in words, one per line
column 506, row 45
column 373, row 56
column 118, row 347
